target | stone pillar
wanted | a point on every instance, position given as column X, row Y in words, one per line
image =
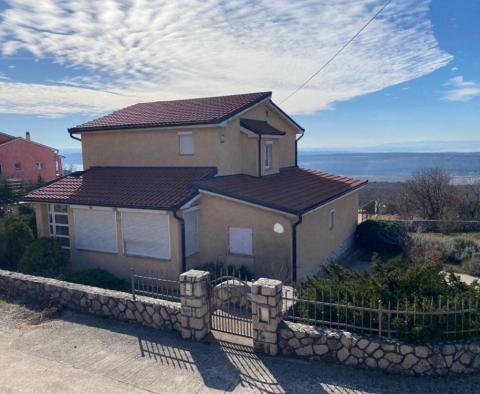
column 195, row 311
column 266, row 314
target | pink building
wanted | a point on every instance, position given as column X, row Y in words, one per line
column 22, row 158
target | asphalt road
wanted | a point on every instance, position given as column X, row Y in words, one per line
column 76, row 353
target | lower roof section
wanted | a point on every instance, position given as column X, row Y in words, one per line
column 160, row 188
column 293, row 190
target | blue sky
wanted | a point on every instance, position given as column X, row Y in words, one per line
column 413, row 75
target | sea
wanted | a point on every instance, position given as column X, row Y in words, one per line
column 376, row 167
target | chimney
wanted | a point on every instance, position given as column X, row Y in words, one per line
column 27, row 136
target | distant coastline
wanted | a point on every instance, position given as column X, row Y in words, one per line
column 374, row 166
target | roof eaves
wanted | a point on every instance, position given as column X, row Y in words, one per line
column 286, row 115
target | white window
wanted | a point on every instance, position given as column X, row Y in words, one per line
column 58, row 224
column 146, row 234
column 331, row 219
column 95, row 229
column 268, row 155
column 40, row 166
column 241, row 241
column 191, row 232
column 186, row 143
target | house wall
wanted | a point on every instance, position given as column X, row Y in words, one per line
column 160, row 147
column 316, row 243
column 28, row 154
column 119, row 263
column 271, row 251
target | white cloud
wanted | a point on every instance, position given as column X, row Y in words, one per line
column 454, row 68
column 144, row 50
column 461, row 90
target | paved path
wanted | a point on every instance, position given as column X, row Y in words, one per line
column 81, row 354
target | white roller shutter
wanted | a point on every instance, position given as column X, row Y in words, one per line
column 191, row 232
column 241, row 240
column 146, row 234
column 95, row 229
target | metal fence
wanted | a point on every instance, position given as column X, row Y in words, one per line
column 156, row 287
column 435, row 319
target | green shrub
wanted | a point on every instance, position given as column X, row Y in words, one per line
column 18, row 236
column 472, row 266
column 218, row 269
column 382, row 236
column 462, row 248
column 44, row 257
column 96, row 277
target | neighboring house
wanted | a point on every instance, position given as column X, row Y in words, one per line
column 169, row 185
column 22, row 158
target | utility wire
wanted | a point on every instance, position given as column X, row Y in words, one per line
column 338, row 52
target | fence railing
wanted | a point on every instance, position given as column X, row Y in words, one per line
column 155, row 287
column 435, row 319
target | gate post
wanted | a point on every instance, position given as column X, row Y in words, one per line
column 266, row 314
column 195, row 310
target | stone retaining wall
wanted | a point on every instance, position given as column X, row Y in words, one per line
column 370, row 352
column 146, row 311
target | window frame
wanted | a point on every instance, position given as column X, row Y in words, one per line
column 268, row 155
column 236, row 252
column 184, row 134
column 18, row 166
column 196, row 249
column 52, row 223
column 331, row 219
column 40, row 166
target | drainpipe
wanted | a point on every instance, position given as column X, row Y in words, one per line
column 259, row 155
column 182, row 239
column 294, row 248
column 73, row 137
column 296, row 148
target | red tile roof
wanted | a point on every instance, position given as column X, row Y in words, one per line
column 164, row 188
column 260, row 127
column 208, row 110
column 293, row 190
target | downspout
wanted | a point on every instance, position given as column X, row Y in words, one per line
column 296, row 148
column 73, row 137
column 294, row 248
column 182, row 239
column 259, row 155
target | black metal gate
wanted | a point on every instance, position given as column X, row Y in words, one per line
column 230, row 306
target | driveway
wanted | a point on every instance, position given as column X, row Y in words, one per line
column 76, row 353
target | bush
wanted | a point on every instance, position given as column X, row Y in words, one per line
column 462, row 248
column 96, row 277
column 44, row 257
column 218, row 269
column 382, row 236
column 18, row 236
column 472, row 266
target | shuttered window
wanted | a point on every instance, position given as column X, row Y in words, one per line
column 191, row 232
column 186, row 143
column 146, row 234
column 95, row 229
column 241, row 241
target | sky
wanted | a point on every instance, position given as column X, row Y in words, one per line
column 412, row 75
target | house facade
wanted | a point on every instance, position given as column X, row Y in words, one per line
column 170, row 185
column 22, row 158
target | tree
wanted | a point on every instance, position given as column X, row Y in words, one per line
column 469, row 201
column 429, row 194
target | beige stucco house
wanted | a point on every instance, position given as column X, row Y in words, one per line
column 170, row 185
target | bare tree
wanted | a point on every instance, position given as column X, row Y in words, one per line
column 429, row 194
column 469, row 201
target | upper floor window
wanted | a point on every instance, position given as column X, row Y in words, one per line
column 268, row 154
column 331, row 219
column 18, row 166
column 40, row 166
column 186, row 143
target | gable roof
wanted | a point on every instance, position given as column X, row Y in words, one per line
column 4, row 137
column 260, row 127
column 198, row 111
column 7, row 139
column 160, row 188
column 293, row 190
